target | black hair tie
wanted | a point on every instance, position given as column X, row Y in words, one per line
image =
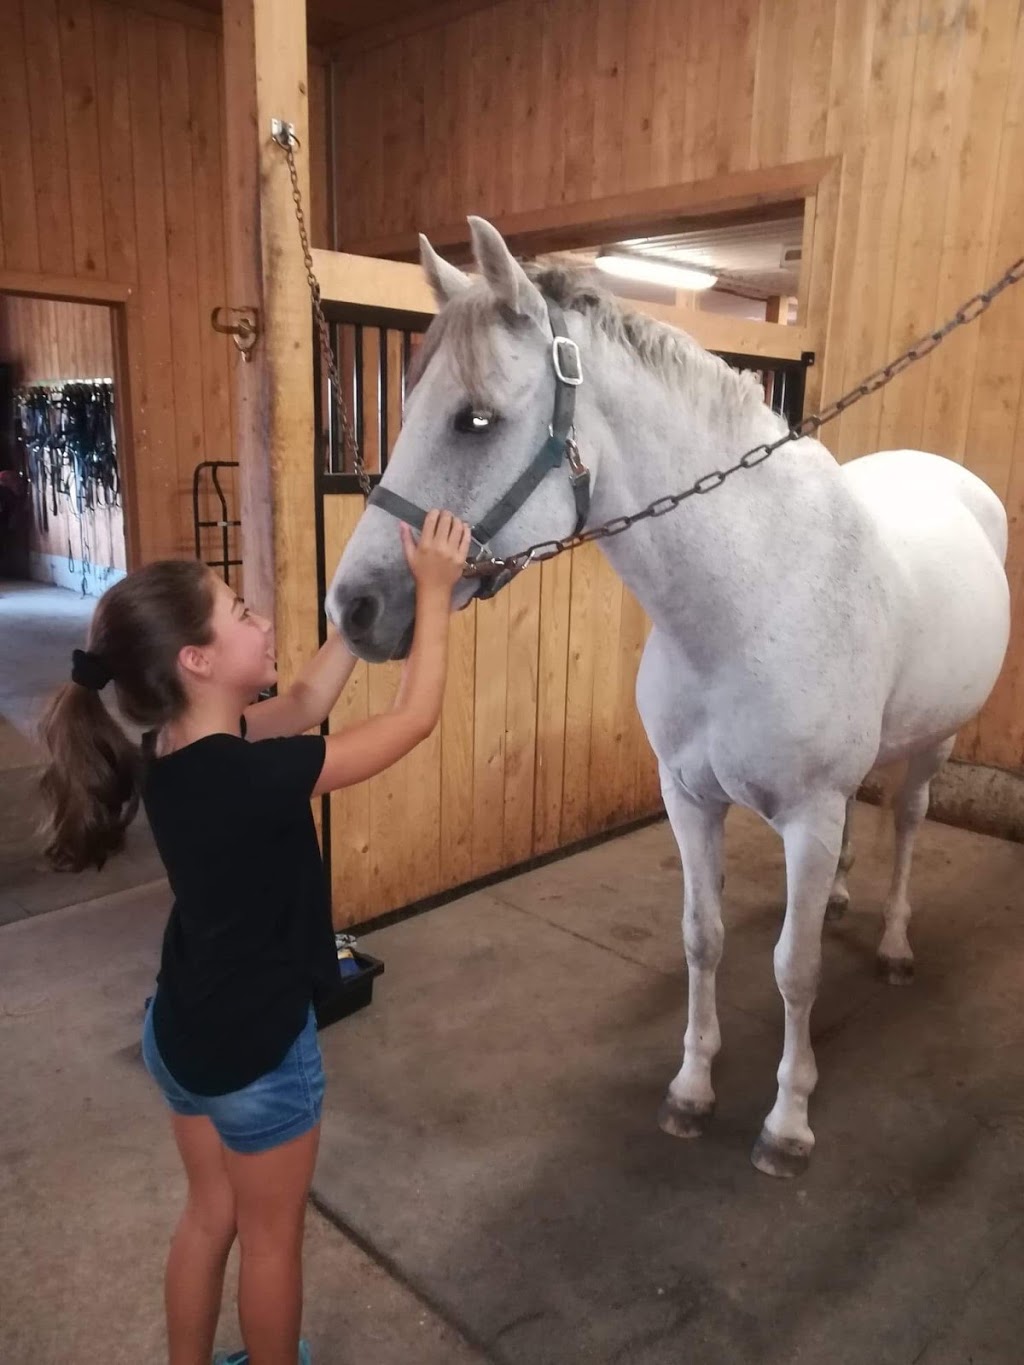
column 89, row 670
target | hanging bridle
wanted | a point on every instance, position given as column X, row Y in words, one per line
column 560, row 446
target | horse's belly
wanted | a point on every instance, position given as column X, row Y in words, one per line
column 947, row 668
column 941, row 529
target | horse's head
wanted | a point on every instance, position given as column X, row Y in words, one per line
column 479, row 410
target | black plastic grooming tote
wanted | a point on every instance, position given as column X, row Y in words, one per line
column 356, row 973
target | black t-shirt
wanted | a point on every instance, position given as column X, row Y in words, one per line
column 249, row 943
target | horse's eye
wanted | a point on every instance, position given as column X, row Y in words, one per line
column 474, row 421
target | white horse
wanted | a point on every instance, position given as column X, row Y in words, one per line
column 810, row 621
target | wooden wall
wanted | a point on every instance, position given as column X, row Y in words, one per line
column 110, row 139
column 111, row 148
column 539, row 744
column 51, row 340
column 917, row 105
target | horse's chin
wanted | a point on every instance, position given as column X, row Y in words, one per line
column 382, row 651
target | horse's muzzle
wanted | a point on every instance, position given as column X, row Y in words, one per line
column 375, row 628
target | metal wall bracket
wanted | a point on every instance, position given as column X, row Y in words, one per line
column 244, row 330
column 283, row 133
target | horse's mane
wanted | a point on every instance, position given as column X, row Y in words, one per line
column 466, row 323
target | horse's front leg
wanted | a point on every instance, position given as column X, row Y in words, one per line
column 698, row 829
column 813, row 839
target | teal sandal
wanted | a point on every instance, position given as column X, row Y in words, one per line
column 242, row 1357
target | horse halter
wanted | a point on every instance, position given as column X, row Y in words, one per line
column 559, row 446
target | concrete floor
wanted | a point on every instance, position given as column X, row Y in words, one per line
column 90, row 1184
column 494, row 1184
column 492, row 1131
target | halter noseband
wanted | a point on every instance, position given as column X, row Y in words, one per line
column 559, row 446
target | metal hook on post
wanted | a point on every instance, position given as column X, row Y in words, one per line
column 244, row 332
column 284, row 133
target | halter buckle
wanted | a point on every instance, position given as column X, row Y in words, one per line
column 565, row 356
column 480, row 563
column 578, row 471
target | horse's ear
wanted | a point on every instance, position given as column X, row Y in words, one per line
column 445, row 280
column 509, row 281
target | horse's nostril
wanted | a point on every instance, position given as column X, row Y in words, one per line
column 359, row 617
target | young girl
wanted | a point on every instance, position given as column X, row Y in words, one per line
column 230, row 1036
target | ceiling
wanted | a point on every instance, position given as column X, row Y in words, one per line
column 332, row 21
column 757, row 260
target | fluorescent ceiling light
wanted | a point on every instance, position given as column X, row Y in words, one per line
column 655, row 271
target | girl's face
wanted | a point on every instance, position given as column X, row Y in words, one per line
column 241, row 656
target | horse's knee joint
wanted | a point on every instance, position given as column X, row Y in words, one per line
column 703, row 944
column 797, row 981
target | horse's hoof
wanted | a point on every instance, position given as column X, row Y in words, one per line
column 898, row 971
column 684, row 1120
column 783, row 1158
column 836, row 909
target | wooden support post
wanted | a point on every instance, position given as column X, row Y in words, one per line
column 266, row 78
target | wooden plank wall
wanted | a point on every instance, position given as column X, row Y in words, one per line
column 47, row 340
column 525, row 105
column 111, row 148
column 539, row 744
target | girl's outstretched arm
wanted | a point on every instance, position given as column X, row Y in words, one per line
column 311, row 697
column 357, row 754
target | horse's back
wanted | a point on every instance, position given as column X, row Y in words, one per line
column 901, row 483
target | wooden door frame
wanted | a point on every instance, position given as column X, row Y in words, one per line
column 118, row 299
column 732, row 197
column 587, row 222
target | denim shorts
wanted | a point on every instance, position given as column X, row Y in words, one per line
column 273, row 1109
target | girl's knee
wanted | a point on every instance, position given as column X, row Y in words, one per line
column 264, row 1237
column 284, row 1252
column 213, row 1218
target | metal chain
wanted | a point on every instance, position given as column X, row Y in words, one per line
column 707, row 483
column 287, row 140
column 548, row 549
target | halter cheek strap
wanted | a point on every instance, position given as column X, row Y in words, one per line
column 558, row 447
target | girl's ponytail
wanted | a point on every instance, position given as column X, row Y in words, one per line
column 92, row 780
column 90, row 783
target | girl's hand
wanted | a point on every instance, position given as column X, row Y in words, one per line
column 438, row 558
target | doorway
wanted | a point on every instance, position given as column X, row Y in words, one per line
column 62, row 517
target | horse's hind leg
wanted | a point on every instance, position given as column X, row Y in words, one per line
column 698, row 829
column 839, row 900
column 813, row 837
column 895, row 960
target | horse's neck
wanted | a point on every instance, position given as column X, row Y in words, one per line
column 711, row 553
